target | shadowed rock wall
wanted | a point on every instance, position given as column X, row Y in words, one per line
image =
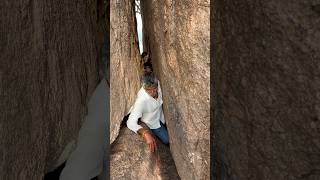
column 125, row 62
column 267, row 89
column 48, row 70
column 176, row 33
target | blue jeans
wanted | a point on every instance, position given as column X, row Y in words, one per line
column 162, row 134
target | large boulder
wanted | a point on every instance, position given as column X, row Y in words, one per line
column 266, row 73
column 49, row 69
column 176, row 33
column 125, row 63
column 131, row 159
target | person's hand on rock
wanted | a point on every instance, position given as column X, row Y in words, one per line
column 151, row 141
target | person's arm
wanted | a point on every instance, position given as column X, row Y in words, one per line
column 132, row 124
column 148, row 137
column 135, row 114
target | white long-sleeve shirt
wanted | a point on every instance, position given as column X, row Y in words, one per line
column 148, row 108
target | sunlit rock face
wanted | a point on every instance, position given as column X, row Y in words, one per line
column 266, row 85
column 176, row 33
column 125, row 62
column 49, row 69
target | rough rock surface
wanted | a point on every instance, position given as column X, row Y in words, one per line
column 266, row 89
column 48, row 70
column 125, row 62
column 131, row 159
column 176, row 33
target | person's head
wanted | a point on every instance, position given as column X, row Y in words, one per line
column 150, row 84
column 145, row 57
column 144, row 54
column 148, row 69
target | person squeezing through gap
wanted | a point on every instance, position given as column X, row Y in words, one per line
column 148, row 108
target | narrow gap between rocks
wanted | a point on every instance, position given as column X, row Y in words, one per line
column 139, row 24
column 161, row 162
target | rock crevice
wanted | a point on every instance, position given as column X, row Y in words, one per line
column 130, row 157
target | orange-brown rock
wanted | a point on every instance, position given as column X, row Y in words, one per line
column 131, row 159
column 176, row 33
column 125, row 63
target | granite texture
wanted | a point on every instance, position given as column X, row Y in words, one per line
column 125, row 66
column 131, row 159
column 266, row 86
column 176, row 34
column 48, row 71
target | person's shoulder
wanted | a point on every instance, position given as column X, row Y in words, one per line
column 142, row 103
column 142, row 96
column 140, row 93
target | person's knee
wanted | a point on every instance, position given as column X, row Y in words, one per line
column 165, row 140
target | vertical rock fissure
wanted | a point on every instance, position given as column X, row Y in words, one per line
column 138, row 2
column 139, row 24
column 130, row 157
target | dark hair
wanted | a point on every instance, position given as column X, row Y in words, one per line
column 149, row 80
column 147, row 67
column 144, row 54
